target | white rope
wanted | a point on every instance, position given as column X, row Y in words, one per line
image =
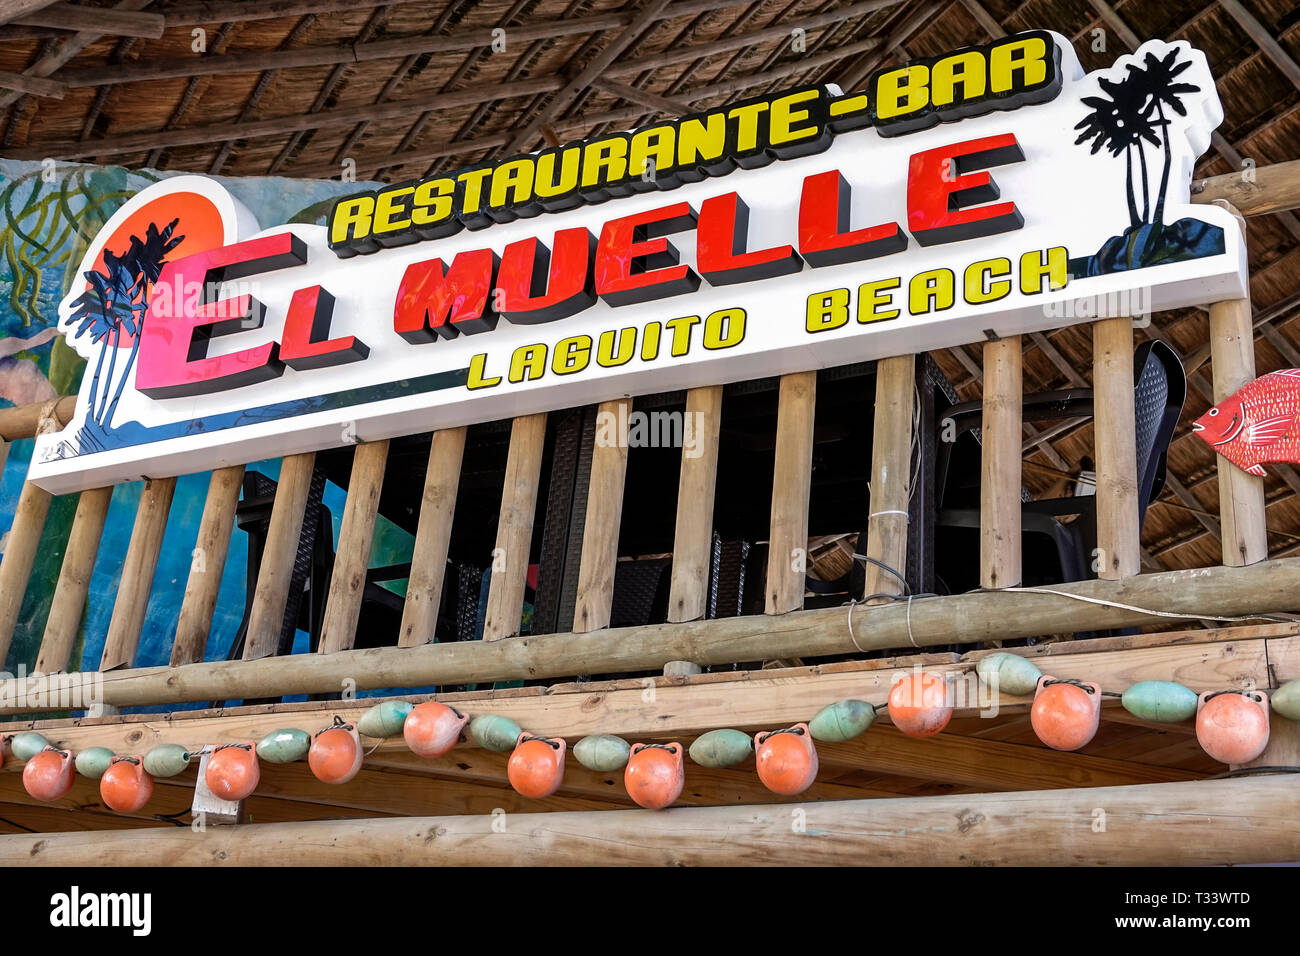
column 852, row 637
column 895, row 511
column 1133, row 607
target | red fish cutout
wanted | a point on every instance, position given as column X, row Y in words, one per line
column 1259, row 424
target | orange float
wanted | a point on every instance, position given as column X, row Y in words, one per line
column 335, row 753
column 126, row 787
column 536, row 765
column 48, row 775
column 431, row 729
column 233, row 772
column 920, row 704
column 1065, row 713
column 1231, row 726
column 655, row 774
column 786, row 759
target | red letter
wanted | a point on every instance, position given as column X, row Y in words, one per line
column 720, row 249
column 305, row 343
column 623, row 280
column 528, row 296
column 940, row 184
column 824, row 237
column 173, row 360
column 429, row 295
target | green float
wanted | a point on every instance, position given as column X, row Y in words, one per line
column 384, row 719
column 284, row 746
column 494, row 732
column 721, row 748
column 1009, row 674
column 93, row 762
column 166, row 760
column 1286, row 700
column 27, row 745
column 1160, row 701
column 842, row 720
column 602, row 752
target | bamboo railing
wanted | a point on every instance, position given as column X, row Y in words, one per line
column 686, row 639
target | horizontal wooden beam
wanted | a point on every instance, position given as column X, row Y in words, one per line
column 102, row 20
column 747, row 700
column 21, row 421
column 35, row 85
column 1256, row 191
column 1269, row 586
column 1202, row 823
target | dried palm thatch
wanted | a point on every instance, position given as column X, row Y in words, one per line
column 393, row 90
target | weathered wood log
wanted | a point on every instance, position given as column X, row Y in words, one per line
column 132, row 600
column 1244, row 530
column 1255, row 191
column 1115, row 425
column 1270, row 586
column 1000, row 479
column 206, row 566
column 64, row 620
column 696, row 490
column 103, row 20
column 432, row 538
column 19, row 554
column 1203, row 823
column 34, row 85
column 891, row 475
column 21, row 421
column 595, row 597
column 787, row 550
column 515, row 527
column 356, row 540
column 276, row 573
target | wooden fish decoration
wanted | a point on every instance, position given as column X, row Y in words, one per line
column 1258, row 424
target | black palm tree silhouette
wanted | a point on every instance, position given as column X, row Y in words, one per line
column 116, row 304
column 1130, row 112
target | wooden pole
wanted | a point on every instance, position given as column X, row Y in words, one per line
column 595, row 597
column 356, row 539
column 69, row 601
column 276, row 573
column 432, row 538
column 1201, row 823
column 132, row 601
column 787, row 553
column 207, row 565
column 891, row 475
column 1115, row 425
column 986, row 615
column 696, row 487
column 515, row 528
column 1244, row 532
column 18, row 556
column 1000, row 482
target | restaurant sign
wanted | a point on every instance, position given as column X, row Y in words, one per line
column 993, row 191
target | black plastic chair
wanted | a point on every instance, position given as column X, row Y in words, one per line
column 1160, row 388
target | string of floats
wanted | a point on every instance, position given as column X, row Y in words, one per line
column 1232, row 726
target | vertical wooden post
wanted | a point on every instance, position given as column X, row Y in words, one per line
column 207, row 565
column 19, row 555
column 138, row 568
column 432, row 538
column 792, row 480
column 1115, row 427
column 891, row 475
column 696, row 487
column 266, row 618
column 515, row 528
column 1000, row 438
column 74, row 581
column 356, row 539
column 595, row 596
column 1244, row 533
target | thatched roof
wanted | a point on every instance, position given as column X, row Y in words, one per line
column 298, row 87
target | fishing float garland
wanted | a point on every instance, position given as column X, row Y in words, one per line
column 1232, row 726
